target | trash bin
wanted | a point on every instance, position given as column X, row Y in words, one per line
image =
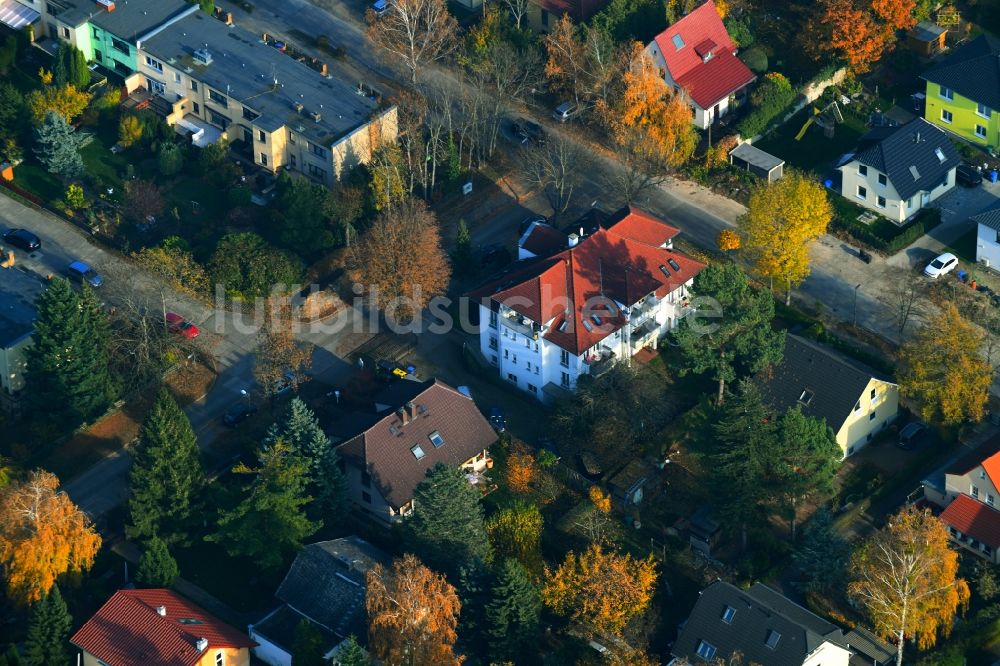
column 993, row 176
column 962, row 275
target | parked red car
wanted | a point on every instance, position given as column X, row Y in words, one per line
column 177, row 324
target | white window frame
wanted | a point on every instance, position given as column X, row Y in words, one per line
column 862, row 170
column 880, row 199
column 981, row 135
column 862, row 193
column 979, row 110
column 947, row 116
column 152, row 63
column 883, row 180
column 946, row 93
column 220, row 658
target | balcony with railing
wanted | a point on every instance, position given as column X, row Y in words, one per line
column 599, row 363
column 519, row 324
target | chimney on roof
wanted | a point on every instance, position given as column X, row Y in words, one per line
column 201, row 644
column 161, row 611
column 298, row 107
column 316, row 116
column 403, row 415
column 573, row 240
column 411, row 410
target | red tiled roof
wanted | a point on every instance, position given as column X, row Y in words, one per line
column 127, row 631
column 992, row 467
column 974, row 519
column 620, row 263
column 544, row 240
column 702, row 32
column 716, row 79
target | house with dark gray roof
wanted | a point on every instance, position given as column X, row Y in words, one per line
column 897, row 171
column 856, row 401
column 767, row 628
column 413, row 426
column 325, row 587
column 988, row 237
column 963, row 91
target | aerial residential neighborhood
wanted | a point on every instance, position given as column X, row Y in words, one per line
column 499, row 332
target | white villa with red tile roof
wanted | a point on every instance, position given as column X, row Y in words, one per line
column 698, row 58
column 547, row 321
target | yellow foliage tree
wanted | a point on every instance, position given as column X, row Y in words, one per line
column 600, row 499
column 45, row 76
column 43, row 535
column 649, row 117
column 907, row 580
column 601, row 590
column 516, row 532
column 782, row 219
column 521, row 468
column 728, row 240
column 177, row 267
column 129, row 130
column 943, row 368
column 66, row 100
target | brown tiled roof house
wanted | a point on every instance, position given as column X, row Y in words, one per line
column 416, row 425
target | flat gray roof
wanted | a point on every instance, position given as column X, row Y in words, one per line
column 927, row 31
column 756, row 157
column 244, row 69
column 129, row 20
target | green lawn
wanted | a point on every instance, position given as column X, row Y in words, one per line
column 814, row 152
column 35, row 179
column 101, row 163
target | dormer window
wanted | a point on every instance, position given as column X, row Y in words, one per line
column 940, row 155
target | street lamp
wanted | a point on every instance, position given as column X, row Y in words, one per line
column 246, row 395
column 855, row 316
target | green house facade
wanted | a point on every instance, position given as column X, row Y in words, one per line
column 963, row 92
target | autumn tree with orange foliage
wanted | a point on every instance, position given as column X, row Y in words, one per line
column 861, row 31
column 412, row 615
column 907, row 580
column 400, row 262
column 43, row 535
column 521, row 468
column 649, row 117
column 728, row 240
column 601, row 590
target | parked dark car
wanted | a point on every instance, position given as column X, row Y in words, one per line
column 912, row 434
column 23, row 239
column 968, row 176
column 518, row 132
column 534, row 131
column 238, row 413
column 494, row 256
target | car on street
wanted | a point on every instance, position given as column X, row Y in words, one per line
column 534, row 131
column 968, row 176
column 238, row 413
column 941, row 265
column 518, row 132
column 82, row 272
column 565, row 111
column 181, row 326
column 911, row 434
column 23, row 239
column 497, row 419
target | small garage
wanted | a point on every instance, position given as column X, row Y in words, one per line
column 757, row 162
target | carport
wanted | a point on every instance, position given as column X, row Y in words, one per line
column 757, row 162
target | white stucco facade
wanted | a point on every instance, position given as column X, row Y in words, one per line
column 988, row 246
column 702, row 118
column 872, row 189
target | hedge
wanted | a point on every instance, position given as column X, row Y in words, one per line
column 772, row 98
column 882, row 235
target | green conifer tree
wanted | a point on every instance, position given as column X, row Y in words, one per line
column 170, row 159
column 446, row 529
column 352, row 654
column 58, row 147
column 157, row 567
column 67, row 365
column 307, row 645
column 166, row 474
column 48, row 631
column 300, row 429
column 512, row 613
column 270, row 523
column 10, row 656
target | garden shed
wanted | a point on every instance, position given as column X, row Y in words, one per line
column 757, row 162
column 926, row 38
